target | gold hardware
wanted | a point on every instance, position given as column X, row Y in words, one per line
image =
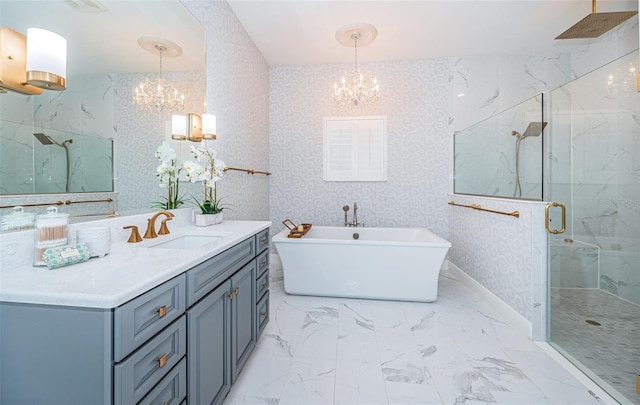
column 266, row 283
column 151, row 230
column 263, row 240
column 135, row 235
column 231, row 295
column 162, row 360
column 237, row 291
column 248, row 171
column 263, row 263
column 265, row 313
column 165, row 403
column 479, row 208
column 163, row 227
column 67, row 202
column 546, row 218
column 46, row 80
column 162, row 311
column 13, row 62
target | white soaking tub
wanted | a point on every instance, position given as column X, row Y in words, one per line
column 382, row 263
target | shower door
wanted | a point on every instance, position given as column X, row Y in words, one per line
column 594, row 266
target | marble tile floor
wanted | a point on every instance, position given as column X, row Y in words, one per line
column 611, row 349
column 457, row 350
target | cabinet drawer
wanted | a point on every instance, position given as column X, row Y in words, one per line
column 141, row 318
column 206, row 276
column 262, row 313
column 262, row 285
column 262, row 240
column 135, row 376
column 171, row 390
column 263, row 262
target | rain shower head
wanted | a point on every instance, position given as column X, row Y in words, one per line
column 45, row 139
column 534, row 129
column 596, row 24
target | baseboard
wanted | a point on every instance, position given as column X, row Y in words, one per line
column 594, row 389
column 514, row 317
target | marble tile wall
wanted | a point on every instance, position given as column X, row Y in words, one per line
column 594, row 165
column 84, row 112
column 487, row 91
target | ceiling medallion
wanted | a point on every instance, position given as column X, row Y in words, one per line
column 356, row 88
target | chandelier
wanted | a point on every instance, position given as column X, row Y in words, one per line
column 357, row 87
column 157, row 94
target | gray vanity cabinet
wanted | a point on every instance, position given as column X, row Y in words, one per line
column 243, row 324
column 184, row 341
column 209, row 347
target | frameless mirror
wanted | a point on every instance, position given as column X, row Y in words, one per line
column 64, row 142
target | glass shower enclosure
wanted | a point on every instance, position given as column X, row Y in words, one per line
column 593, row 168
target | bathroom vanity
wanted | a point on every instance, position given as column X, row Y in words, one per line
column 169, row 324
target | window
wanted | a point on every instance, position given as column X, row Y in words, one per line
column 355, row 149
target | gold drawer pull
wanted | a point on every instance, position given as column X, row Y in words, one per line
column 265, row 285
column 230, row 295
column 263, row 263
column 165, row 403
column 263, row 241
column 265, row 313
column 162, row 360
column 162, row 311
column 237, row 291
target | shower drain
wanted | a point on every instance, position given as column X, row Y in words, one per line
column 590, row 322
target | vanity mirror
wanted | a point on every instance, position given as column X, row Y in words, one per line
column 74, row 141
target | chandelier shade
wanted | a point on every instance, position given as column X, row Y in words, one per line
column 357, row 87
column 157, row 94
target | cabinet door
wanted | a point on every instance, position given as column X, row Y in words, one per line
column 209, row 347
column 243, row 316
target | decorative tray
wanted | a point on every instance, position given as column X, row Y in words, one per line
column 296, row 231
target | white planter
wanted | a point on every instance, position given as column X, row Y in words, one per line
column 208, row 219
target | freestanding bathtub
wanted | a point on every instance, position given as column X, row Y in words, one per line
column 382, row 263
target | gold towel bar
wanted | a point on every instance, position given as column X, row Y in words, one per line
column 248, row 171
column 67, row 202
column 479, row 208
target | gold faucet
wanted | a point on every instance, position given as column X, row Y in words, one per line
column 151, row 228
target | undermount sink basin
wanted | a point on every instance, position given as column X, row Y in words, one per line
column 187, row 241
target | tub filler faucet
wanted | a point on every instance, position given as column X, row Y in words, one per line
column 355, row 222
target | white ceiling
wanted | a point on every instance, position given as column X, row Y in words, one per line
column 303, row 32
column 106, row 42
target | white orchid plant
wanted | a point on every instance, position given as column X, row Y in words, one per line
column 168, row 172
column 209, row 172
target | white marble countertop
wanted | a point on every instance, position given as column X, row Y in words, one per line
column 129, row 270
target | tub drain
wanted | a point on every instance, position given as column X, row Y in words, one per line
column 590, row 322
column 356, row 235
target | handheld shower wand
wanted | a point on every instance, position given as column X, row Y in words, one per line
column 533, row 129
column 47, row 140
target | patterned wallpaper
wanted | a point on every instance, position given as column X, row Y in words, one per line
column 238, row 94
column 414, row 97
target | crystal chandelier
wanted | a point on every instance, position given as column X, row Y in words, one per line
column 157, row 94
column 357, row 87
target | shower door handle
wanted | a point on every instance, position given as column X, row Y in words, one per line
column 563, row 210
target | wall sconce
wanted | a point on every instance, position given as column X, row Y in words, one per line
column 37, row 61
column 209, row 126
column 186, row 127
column 194, row 127
column 178, row 127
column 13, row 63
column 46, row 59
